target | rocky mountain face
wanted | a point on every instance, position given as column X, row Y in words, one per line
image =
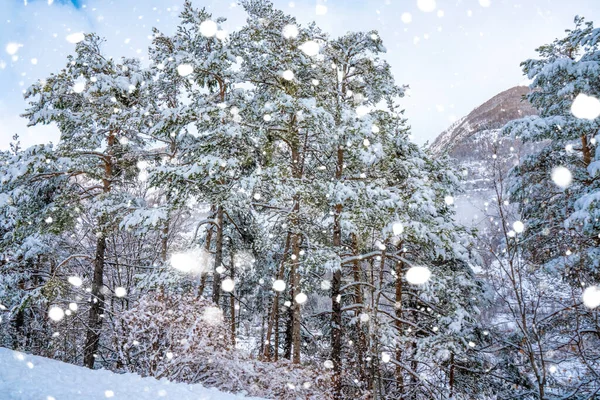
column 480, row 151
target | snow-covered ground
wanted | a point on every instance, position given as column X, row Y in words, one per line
column 27, row 377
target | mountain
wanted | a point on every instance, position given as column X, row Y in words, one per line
column 479, row 150
column 491, row 115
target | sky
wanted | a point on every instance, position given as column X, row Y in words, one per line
column 454, row 54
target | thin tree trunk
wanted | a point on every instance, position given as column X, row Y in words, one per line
column 216, row 293
column 232, row 302
column 336, row 294
column 398, row 323
column 274, row 316
column 358, row 299
column 451, row 378
column 207, row 245
column 97, row 308
column 585, row 149
column 295, row 290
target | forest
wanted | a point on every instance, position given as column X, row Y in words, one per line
column 247, row 211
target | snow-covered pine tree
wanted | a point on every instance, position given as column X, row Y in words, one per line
column 33, row 213
column 200, row 118
column 98, row 105
column 557, row 187
column 279, row 59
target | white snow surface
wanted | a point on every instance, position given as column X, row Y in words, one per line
column 27, row 377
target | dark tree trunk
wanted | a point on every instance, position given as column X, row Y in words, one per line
column 97, row 307
column 216, row 293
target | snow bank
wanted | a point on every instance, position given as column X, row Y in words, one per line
column 27, row 377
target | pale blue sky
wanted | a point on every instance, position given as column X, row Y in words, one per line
column 452, row 62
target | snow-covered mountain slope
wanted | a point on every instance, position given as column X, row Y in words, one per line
column 477, row 146
column 27, row 377
column 491, row 115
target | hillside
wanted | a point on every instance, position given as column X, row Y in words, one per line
column 27, row 377
column 477, row 147
column 491, row 115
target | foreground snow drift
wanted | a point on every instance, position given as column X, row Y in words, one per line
column 27, row 377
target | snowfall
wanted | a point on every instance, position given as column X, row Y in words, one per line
column 27, row 377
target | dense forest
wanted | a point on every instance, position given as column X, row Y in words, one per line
column 248, row 212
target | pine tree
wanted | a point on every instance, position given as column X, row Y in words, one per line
column 98, row 106
column 556, row 187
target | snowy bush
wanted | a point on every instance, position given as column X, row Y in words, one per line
column 186, row 339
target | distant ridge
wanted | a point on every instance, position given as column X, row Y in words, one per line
column 491, row 115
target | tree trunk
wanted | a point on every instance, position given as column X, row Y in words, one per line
column 451, row 378
column 274, row 317
column 207, row 245
column 295, row 290
column 336, row 333
column 97, row 308
column 232, row 302
column 398, row 323
column 585, row 149
column 361, row 344
column 336, row 294
column 216, row 293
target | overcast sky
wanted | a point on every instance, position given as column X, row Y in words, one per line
column 454, row 57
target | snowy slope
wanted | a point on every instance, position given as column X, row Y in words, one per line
column 472, row 142
column 491, row 115
column 26, row 377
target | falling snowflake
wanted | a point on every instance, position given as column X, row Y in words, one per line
column 562, row 177
column 120, row 292
column 591, row 297
column 288, row 75
column 290, row 31
column 418, row 275
column 301, row 298
column 485, row 3
column 279, row 285
column 193, row 261
column 426, row 5
column 208, row 28
column 227, row 285
column 56, row 313
column 12, row 48
column 449, row 200
column 75, row 37
column 406, row 18
column 185, row 69
column 518, row 226
column 79, row 86
column 75, row 281
column 585, row 107
column 310, row 48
